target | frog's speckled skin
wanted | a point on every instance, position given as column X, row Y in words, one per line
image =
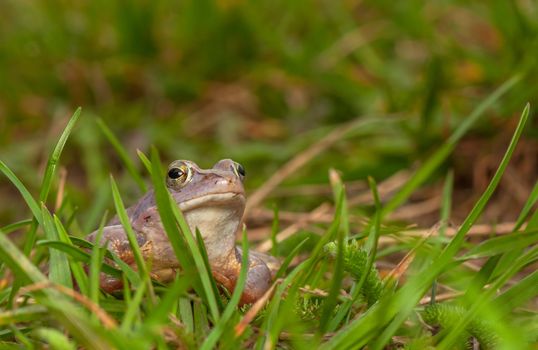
column 212, row 200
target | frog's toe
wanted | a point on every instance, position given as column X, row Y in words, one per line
column 110, row 284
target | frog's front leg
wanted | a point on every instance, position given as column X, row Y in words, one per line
column 117, row 242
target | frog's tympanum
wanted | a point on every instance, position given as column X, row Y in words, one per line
column 212, row 201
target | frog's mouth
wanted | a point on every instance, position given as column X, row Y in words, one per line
column 214, row 199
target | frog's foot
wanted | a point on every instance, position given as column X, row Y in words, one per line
column 272, row 263
column 258, row 281
column 110, row 284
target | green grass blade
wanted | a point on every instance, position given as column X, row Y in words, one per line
column 519, row 293
column 68, row 314
column 268, row 326
column 529, row 204
column 55, row 339
column 159, row 315
column 503, row 244
column 76, row 254
column 23, row 314
column 186, row 314
column 133, row 307
column 207, row 265
column 125, row 222
column 182, row 240
column 338, row 275
column 287, row 261
column 455, row 244
column 59, row 269
column 440, row 155
column 144, row 160
column 205, row 277
column 127, row 161
column 96, row 261
column 22, row 268
column 220, row 326
column 480, row 305
column 55, row 157
column 373, row 239
column 16, row 225
column 76, row 267
column 28, row 198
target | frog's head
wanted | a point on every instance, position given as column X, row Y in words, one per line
column 212, row 200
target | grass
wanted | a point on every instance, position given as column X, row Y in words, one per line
column 372, row 134
column 144, row 317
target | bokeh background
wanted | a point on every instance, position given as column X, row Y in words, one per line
column 260, row 81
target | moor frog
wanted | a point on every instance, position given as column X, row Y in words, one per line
column 211, row 200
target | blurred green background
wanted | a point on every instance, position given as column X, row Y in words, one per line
column 259, row 81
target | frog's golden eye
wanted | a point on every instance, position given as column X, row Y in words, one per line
column 239, row 170
column 179, row 175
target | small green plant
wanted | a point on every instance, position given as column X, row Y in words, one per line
column 355, row 263
column 448, row 316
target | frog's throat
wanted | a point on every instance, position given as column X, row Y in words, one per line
column 234, row 199
column 218, row 218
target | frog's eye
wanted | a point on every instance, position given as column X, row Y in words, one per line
column 175, row 173
column 179, row 175
column 239, row 170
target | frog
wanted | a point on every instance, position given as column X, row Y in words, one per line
column 212, row 201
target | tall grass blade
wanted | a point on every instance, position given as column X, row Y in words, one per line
column 440, row 155
column 59, row 269
column 77, row 254
column 338, row 274
column 220, row 326
column 28, row 198
column 133, row 307
column 182, row 240
column 16, row 226
column 127, row 161
column 159, row 315
column 133, row 242
column 54, row 157
column 76, row 267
